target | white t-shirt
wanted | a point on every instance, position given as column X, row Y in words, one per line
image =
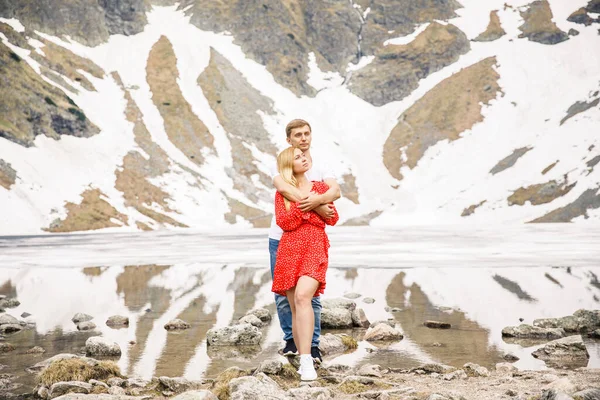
column 318, row 172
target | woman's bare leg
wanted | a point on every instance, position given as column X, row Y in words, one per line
column 290, row 296
column 303, row 317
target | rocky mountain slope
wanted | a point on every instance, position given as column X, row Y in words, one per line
column 154, row 114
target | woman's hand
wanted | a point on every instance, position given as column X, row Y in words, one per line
column 325, row 211
column 311, row 202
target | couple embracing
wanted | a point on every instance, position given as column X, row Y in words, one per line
column 298, row 244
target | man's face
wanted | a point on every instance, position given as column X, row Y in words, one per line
column 300, row 138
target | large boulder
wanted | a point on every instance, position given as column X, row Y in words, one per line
column 336, row 344
column 336, row 318
column 237, row 335
column 7, row 319
column 359, row 318
column 42, row 365
column 258, row 387
column 338, row 303
column 99, row 346
column 565, row 352
column 533, row 332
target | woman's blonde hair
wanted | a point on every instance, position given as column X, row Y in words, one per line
column 285, row 166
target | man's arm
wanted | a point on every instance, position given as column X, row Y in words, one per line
column 315, row 200
column 288, row 191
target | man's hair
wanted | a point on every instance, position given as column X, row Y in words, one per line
column 295, row 123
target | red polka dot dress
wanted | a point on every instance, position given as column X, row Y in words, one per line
column 304, row 246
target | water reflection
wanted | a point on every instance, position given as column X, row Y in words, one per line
column 478, row 302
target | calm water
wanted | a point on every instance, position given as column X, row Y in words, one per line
column 478, row 280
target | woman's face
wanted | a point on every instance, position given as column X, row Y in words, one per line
column 300, row 162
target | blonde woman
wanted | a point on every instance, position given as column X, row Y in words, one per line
column 302, row 256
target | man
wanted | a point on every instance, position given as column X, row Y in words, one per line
column 299, row 134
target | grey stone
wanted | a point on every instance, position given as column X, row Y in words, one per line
column 569, row 351
column 332, row 344
column 359, row 318
column 310, row 393
column 86, row 326
column 369, row 300
column 7, row 319
column 36, row 350
column 437, row 325
column 116, row 382
column 196, row 395
column 336, row 318
column 505, row 368
column 432, row 368
column 338, row 303
column 42, row 365
column 390, row 322
column 252, row 320
column 9, row 303
column 10, row 328
column 271, row 367
column 370, row 370
column 179, row 385
column 95, row 382
column 256, row 387
column 528, row 331
column 458, row 374
column 554, row 395
column 80, row 317
column 237, row 335
column 587, row 394
column 563, row 385
column 382, row 332
column 352, row 296
column 476, row 370
column 99, row 346
column 116, row 391
column 177, row 324
column 261, row 313
column 117, row 321
column 60, row 388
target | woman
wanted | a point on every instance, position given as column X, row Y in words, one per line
column 302, row 256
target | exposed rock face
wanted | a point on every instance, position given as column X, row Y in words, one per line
column 590, row 199
column 31, row 107
column 94, row 212
column 579, row 107
column 396, row 70
column 133, row 178
column 280, row 35
column 541, row 193
column 509, row 160
column 471, row 209
column 183, row 127
column 8, row 175
column 569, row 351
column 538, row 25
column 493, row 31
column 237, row 106
column 451, row 107
column 87, row 21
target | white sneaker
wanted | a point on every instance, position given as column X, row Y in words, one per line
column 307, row 369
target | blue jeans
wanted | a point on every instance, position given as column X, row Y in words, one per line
column 284, row 312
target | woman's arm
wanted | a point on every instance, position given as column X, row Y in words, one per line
column 288, row 191
column 288, row 220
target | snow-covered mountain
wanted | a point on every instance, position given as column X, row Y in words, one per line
column 138, row 116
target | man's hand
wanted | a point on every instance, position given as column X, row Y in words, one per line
column 311, row 202
column 325, row 211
